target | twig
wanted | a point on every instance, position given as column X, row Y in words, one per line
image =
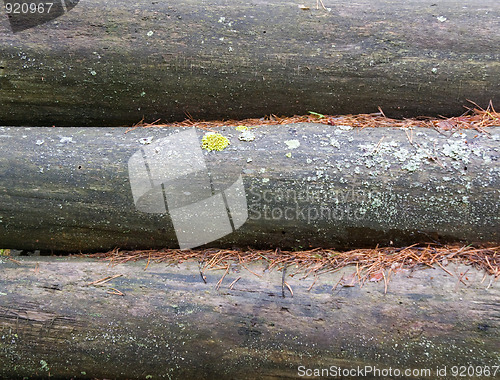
column 381, row 112
column 462, row 276
column 234, row 282
column 103, row 280
column 203, row 277
column 377, row 146
column 322, row 4
column 115, row 292
column 13, row 260
column 310, row 287
column 258, row 275
column 443, row 268
column 337, row 284
column 385, row 282
column 222, row 278
column 289, row 288
column 283, row 281
column 149, row 260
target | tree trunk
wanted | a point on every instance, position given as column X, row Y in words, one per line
column 108, row 63
column 170, row 324
column 293, row 186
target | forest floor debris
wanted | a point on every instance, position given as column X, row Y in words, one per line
column 474, row 117
column 371, row 265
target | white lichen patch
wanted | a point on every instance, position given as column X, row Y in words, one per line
column 402, row 154
column 292, row 144
column 146, row 140
column 411, row 166
column 335, row 143
column 65, row 139
column 246, row 136
column 382, row 154
column 457, row 150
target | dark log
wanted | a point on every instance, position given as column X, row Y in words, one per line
column 170, row 324
column 108, row 63
column 88, row 189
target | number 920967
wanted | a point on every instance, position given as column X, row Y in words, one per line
column 26, row 8
column 472, row 371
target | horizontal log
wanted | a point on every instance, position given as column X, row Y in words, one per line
column 170, row 324
column 290, row 186
column 114, row 62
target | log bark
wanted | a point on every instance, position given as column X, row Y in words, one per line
column 109, row 63
column 170, row 324
column 71, row 189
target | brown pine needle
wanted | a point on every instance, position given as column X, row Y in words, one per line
column 104, row 280
column 385, row 282
column 115, row 292
column 234, row 282
column 222, row 278
column 320, row 261
column 474, row 118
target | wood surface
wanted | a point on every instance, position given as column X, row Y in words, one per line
column 169, row 324
column 306, row 185
column 109, row 63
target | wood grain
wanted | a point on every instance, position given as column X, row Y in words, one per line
column 109, row 63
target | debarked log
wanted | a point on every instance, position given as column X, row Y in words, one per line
column 111, row 63
column 289, row 186
column 167, row 323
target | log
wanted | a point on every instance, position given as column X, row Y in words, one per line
column 170, row 324
column 110, row 63
column 292, row 186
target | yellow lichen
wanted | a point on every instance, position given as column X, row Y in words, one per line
column 214, row 141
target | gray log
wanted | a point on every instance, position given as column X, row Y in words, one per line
column 71, row 189
column 171, row 325
column 114, row 62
